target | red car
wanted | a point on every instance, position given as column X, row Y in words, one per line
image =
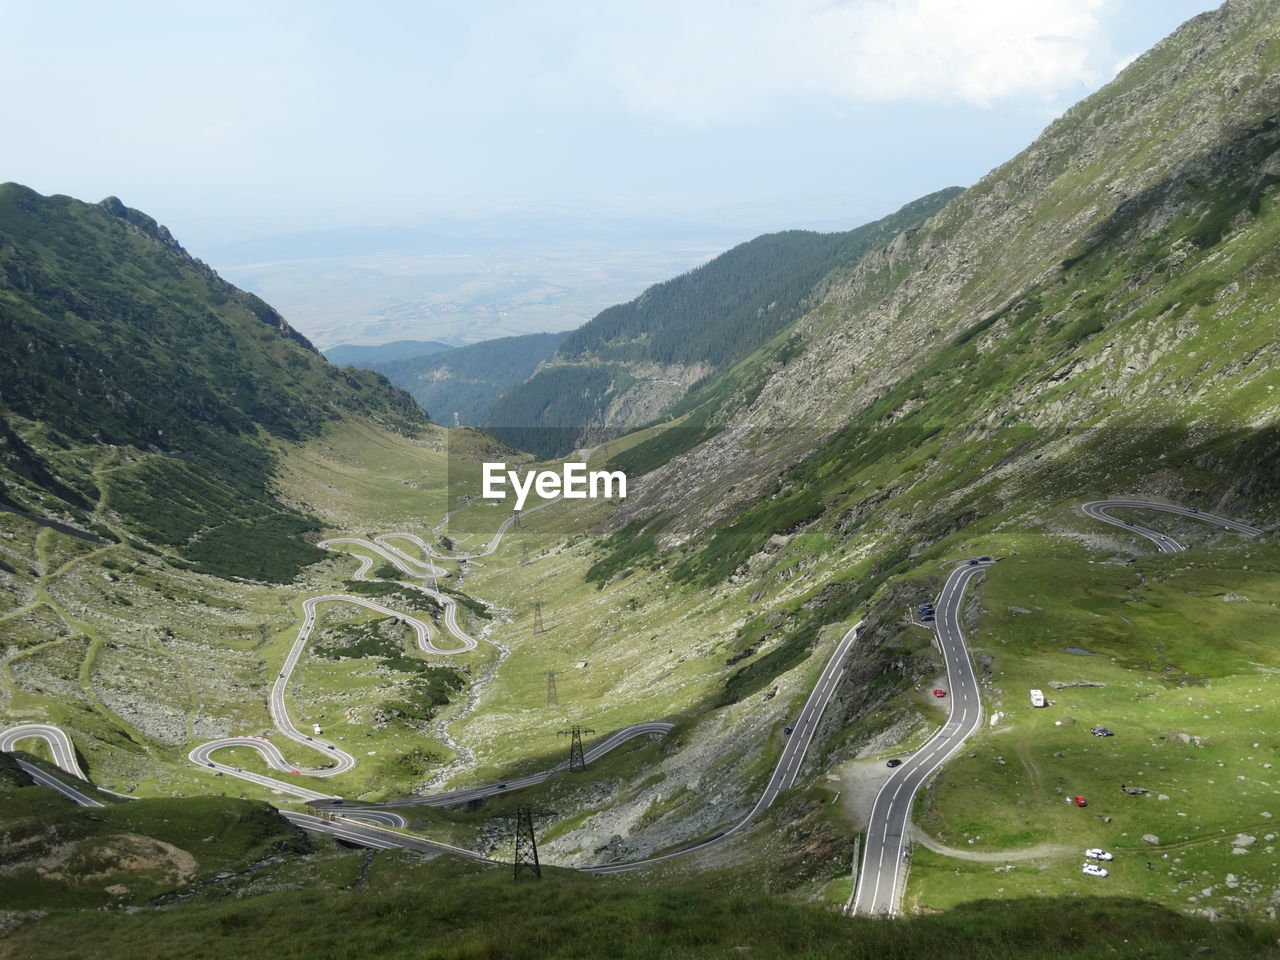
column 939, row 693
column 1081, row 802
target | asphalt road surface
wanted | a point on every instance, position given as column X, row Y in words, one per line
column 883, row 870
column 453, row 797
column 64, row 757
column 1097, row 510
column 376, row 838
column 341, row 761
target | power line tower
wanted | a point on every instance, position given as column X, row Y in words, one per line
column 537, row 617
column 526, row 844
column 553, row 698
column 515, row 524
column 524, row 554
column 577, row 760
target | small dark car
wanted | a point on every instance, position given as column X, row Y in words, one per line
column 895, row 762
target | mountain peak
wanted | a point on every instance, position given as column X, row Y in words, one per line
column 145, row 224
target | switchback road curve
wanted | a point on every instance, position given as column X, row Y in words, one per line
column 64, row 758
column 341, row 761
column 1097, row 510
column 344, row 827
column 880, row 876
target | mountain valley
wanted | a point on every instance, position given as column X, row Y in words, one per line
column 210, row 533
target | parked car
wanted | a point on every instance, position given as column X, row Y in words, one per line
column 1097, row 853
column 1080, row 801
column 939, row 693
column 973, row 563
column 895, row 762
column 788, row 730
column 985, row 559
column 1101, row 732
column 1093, row 870
column 926, row 618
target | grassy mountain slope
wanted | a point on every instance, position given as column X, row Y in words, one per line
column 630, row 363
column 463, row 384
column 1091, row 313
column 162, row 878
column 112, row 336
column 1095, row 317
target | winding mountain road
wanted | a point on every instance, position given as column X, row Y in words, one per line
column 785, row 770
column 1097, row 510
column 64, row 758
column 451, row 797
column 888, row 826
column 340, row 761
column 883, row 869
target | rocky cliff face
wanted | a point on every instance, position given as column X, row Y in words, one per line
column 1152, row 172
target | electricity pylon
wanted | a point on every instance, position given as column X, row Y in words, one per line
column 526, row 844
column 553, row 698
column 577, row 760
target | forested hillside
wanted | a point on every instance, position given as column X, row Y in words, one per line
column 364, row 355
column 460, row 386
column 113, row 338
column 632, row 362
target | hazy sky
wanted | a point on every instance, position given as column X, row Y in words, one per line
column 225, row 119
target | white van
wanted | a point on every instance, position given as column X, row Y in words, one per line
column 1037, row 698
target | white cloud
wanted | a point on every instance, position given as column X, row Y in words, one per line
column 701, row 62
column 974, row 51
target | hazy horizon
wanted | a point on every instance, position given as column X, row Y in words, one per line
column 308, row 133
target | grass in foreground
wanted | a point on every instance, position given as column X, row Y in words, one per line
column 443, row 910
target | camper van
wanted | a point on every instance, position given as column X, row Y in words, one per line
column 1037, row 698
